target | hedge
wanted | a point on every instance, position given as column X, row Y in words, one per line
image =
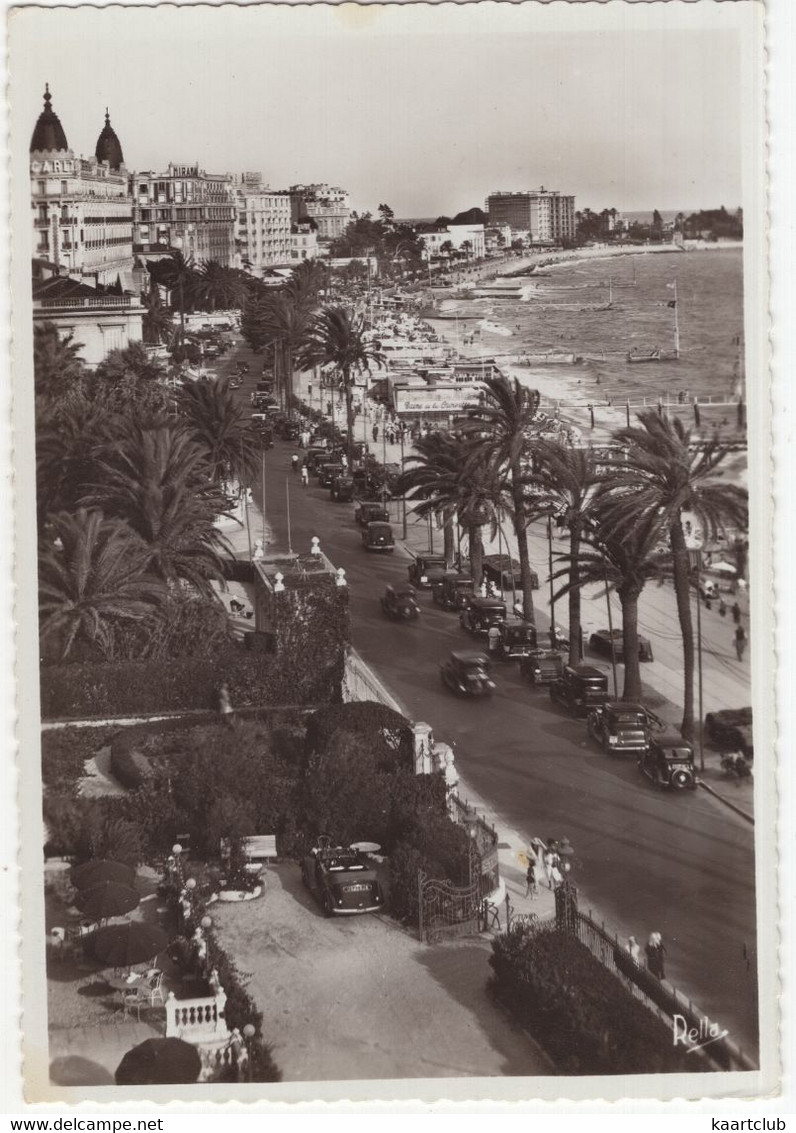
column 136, row 688
column 576, row 1009
column 390, row 731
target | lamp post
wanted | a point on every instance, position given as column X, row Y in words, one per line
column 249, row 1031
column 401, row 432
column 176, row 850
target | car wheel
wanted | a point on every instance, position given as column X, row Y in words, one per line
column 327, row 906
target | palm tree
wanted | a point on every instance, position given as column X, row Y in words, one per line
column 57, row 367
column 177, row 274
column 156, row 477
column 93, row 573
column 565, row 483
column 624, row 563
column 218, row 286
column 502, row 433
column 337, row 337
column 449, row 481
column 665, row 476
column 216, row 421
column 158, row 325
column 286, row 319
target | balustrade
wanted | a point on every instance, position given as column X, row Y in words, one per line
column 197, row 1020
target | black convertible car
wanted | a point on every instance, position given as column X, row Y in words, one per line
column 341, row 879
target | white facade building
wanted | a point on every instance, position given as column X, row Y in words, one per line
column 263, row 225
column 80, row 207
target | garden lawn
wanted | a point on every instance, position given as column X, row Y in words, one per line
column 360, row 998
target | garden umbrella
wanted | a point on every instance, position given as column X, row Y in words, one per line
column 92, row 873
column 108, row 899
column 159, row 1062
column 121, row 945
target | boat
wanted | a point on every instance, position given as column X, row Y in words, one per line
column 655, row 355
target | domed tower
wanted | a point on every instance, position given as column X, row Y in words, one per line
column 48, row 135
column 108, row 145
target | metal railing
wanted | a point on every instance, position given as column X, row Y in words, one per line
column 90, row 303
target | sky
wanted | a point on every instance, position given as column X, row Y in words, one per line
column 428, row 108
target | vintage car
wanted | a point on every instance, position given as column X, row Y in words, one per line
column 542, row 666
column 481, row 613
column 669, row 762
column 504, row 572
column 327, row 473
column 341, row 879
column 604, row 640
column 427, row 569
column 620, row 726
column 467, row 673
column 342, row 489
column 580, row 688
column 369, row 511
column 315, row 456
column 453, row 591
column 399, row 602
column 378, row 537
column 517, row 640
column 731, row 730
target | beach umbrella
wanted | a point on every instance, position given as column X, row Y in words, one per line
column 159, row 1062
column 121, row 945
column 108, row 899
column 92, row 873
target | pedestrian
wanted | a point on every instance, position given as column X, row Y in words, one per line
column 740, row 642
column 656, row 952
column 736, row 613
column 531, row 888
column 225, row 704
column 493, row 638
column 722, row 608
column 634, row 949
column 305, row 476
column 375, row 433
column 294, row 462
column 548, row 861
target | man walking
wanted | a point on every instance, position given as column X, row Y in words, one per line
column 740, row 642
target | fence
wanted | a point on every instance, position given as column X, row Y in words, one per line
column 659, row 997
column 361, row 683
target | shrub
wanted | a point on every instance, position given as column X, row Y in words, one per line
column 437, row 846
column 65, row 751
column 389, row 733
column 84, row 828
column 576, row 1009
column 128, row 765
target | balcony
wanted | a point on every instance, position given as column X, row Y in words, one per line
column 115, row 301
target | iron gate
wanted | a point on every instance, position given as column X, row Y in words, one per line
column 447, row 911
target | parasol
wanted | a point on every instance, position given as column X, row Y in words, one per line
column 108, row 899
column 92, row 873
column 159, row 1062
column 124, row 944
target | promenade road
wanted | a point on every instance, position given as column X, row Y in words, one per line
column 679, row 864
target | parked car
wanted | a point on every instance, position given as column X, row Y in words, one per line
column 620, row 726
column 669, row 762
column 400, row 602
column 481, row 613
column 427, row 569
column 517, row 640
column 368, row 511
column 315, row 455
column 731, row 730
column 580, row 688
column 327, row 473
column 605, row 641
column 504, row 572
column 342, row 880
column 453, row 591
column 542, row 666
column 342, row 489
column 467, row 674
column 378, row 537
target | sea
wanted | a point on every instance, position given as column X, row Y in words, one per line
column 709, row 311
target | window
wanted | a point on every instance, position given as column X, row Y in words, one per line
column 64, row 188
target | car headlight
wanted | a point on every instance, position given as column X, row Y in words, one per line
column 613, row 739
column 424, row 578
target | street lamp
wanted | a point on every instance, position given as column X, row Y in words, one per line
column 249, row 1031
